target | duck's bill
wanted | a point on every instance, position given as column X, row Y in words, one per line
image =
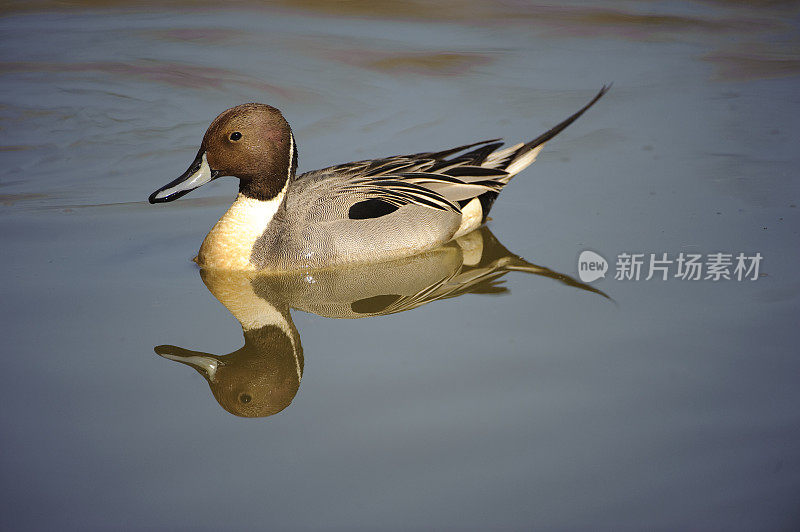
column 198, row 174
column 205, row 363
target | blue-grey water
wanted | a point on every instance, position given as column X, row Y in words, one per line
column 531, row 404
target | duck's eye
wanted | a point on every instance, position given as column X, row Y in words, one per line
column 236, row 136
column 245, row 398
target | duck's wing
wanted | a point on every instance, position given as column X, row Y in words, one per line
column 373, row 210
column 440, row 180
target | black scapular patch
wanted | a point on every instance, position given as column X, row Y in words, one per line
column 372, row 208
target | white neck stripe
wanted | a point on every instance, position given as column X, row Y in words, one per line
column 291, row 156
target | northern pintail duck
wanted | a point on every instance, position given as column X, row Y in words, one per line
column 363, row 211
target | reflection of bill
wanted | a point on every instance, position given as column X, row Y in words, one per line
column 591, row 266
column 263, row 376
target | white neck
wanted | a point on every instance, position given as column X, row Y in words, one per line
column 229, row 244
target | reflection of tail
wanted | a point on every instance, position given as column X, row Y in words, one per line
column 521, row 265
column 496, row 260
column 486, row 261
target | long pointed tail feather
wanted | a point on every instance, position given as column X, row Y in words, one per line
column 527, row 153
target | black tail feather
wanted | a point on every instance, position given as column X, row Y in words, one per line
column 552, row 132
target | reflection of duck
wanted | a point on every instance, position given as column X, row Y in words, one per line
column 262, row 377
column 364, row 211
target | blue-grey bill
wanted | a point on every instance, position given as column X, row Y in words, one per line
column 198, row 174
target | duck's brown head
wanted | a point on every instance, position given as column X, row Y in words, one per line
column 252, row 142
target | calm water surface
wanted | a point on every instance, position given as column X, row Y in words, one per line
column 480, row 389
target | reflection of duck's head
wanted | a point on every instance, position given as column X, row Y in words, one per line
column 258, row 380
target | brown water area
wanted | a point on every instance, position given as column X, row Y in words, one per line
column 481, row 385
